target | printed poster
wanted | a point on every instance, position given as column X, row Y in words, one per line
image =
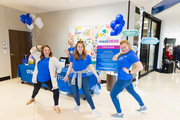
column 107, row 47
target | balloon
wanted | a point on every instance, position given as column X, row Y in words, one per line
column 28, row 15
column 40, row 25
column 30, row 26
column 28, row 20
column 118, row 28
column 113, row 24
column 112, row 33
column 33, row 16
column 38, row 22
column 122, row 23
column 22, row 18
column 119, row 18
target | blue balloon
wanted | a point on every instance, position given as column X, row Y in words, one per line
column 113, row 24
column 119, row 18
column 28, row 20
column 28, row 15
column 118, row 28
column 22, row 18
column 122, row 23
column 112, row 33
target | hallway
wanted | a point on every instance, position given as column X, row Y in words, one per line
column 161, row 96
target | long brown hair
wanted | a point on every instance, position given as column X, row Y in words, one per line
column 42, row 54
column 76, row 53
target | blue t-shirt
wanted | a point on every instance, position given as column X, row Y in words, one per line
column 79, row 65
column 71, row 50
column 43, row 70
column 126, row 60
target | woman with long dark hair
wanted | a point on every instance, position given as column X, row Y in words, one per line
column 46, row 69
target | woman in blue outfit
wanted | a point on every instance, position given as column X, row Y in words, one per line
column 77, row 76
column 126, row 57
column 46, row 69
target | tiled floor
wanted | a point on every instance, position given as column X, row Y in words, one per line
column 161, row 96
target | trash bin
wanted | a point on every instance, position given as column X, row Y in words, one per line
column 168, row 67
column 110, row 80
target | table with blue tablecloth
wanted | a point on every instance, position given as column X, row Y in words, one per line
column 25, row 71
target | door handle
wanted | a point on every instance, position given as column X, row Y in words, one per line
column 12, row 54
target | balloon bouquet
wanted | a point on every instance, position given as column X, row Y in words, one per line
column 117, row 25
column 34, row 24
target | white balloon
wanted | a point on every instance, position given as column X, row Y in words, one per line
column 33, row 16
column 38, row 22
column 40, row 25
column 31, row 26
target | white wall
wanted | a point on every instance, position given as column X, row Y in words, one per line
column 5, row 58
column 55, row 30
column 173, row 34
column 9, row 19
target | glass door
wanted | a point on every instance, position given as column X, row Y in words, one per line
column 148, row 53
column 152, row 47
column 145, row 48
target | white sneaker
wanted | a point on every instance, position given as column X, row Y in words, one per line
column 117, row 116
column 76, row 109
column 142, row 109
column 97, row 113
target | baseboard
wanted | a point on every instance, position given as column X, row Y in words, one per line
column 5, row 78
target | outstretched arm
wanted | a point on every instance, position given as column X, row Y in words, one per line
column 35, row 51
column 68, row 72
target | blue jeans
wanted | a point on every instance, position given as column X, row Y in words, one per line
column 118, row 87
column 85, row 89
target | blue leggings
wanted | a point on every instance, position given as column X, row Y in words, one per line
column 85, row 88
column 118, row 87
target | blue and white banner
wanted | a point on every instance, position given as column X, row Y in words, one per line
column 146, row 40
column 107, row 47
column 163, row 5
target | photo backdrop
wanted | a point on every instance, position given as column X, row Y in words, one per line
column 89, row 34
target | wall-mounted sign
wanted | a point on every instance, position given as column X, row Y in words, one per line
column 4, row 45
column 163, row 5
column 130, row 32
column 146, row 40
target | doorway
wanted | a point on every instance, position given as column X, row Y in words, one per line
column 19, row 46
column 148, row 53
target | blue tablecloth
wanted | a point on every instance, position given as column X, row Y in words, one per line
column 26, row 72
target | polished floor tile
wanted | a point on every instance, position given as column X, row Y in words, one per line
column 159, row 91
